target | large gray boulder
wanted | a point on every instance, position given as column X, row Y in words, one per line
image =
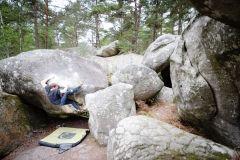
column 107, row 107
column 226, row 11
column 194, row 96
column 205, row 78
column 145, row 81
column 165, row 94
column 157, row 55
column 114, row 63
column 108, row 50
column 144, row 138
column 21, row 75
column 15, row 126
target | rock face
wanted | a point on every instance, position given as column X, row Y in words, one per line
column 114, row 63
column 205, row 78
column 157, row 55
column 143, row 138
column 109, row 50
column 107, row 107
column 165, row 94
column 145, row 81
column 15, row 126
column 226, row 11
column 21, row 75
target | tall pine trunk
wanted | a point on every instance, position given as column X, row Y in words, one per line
column 97, row 27
column 3, row 35
column 20, row 28
column 46, row 26
column 180, row 19
column 137, row 16
column 76, row 37
column 36, row 36
column 97, row 31
column 154, row 30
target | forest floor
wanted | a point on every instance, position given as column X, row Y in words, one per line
column 159, row 110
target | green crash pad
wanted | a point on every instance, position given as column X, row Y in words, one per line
column 65, row 138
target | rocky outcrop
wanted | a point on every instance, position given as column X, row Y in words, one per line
column 157, row 55
column 165, row 94
column 21, row 75
column 15, row 127
column 108, row 50
column 143, row 138
column 145, row 81
column 226, row 11
column 193, row 94
column 107, row 107
column 114, row 63
column 205, row 78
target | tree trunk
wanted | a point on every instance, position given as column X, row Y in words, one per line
column 180, row 20
column 76, row 37
column 36, row 36
column 20, row 29
column 161, row 30
column 97, row 28
column 3, row 35
column 161, row 26
column 137, row 14
column 154, row 31
column 97, row 31
column 46, row 26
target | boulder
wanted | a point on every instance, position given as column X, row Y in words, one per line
column 193, row 95
column 165, row 94
column 145, row 81
column 15, row 127
column 107, row 107
column 21, row 75
column 114, row 63
column 205, row 78
column 144, row 138
column 157, row 55
column 226, row 11
column 109, row 50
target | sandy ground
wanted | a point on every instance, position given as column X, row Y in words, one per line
column 89, row 148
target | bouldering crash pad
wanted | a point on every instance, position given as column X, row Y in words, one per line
column 64, row 138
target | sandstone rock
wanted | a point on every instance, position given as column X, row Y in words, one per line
column 157, row 55
column 15, row 127
column 109, row 50
column 205, row 78
column 107, row 107
column 114, row 63
column 193, row 95
column 144, row 138
column 226, row 11
column 21, row 75
column 145, row 81
column 165, row 94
